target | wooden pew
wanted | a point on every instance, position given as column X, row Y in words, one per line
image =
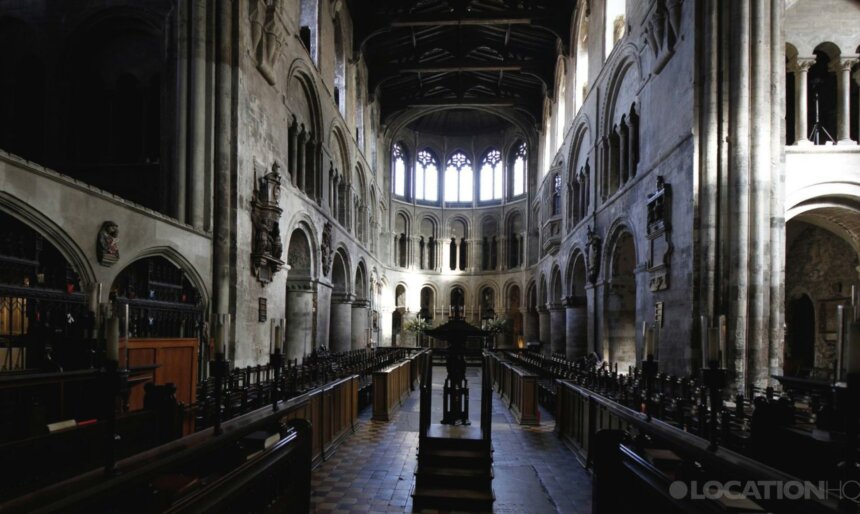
column 643, row 458
column 519, row 388
column 217, row 470
column 391, row 385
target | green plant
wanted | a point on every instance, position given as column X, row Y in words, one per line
column 417, row 325
column 496, row 326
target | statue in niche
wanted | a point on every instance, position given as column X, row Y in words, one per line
column 267, row 247
column 107, row 247
column 326, row 249
column 268, row 34
column 593, row 262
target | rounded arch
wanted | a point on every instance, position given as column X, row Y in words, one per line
column 543, row 297
column 46, row 227
column 556, row 285
column 458, row 226
column 402, row 222
column 621, row 298
column 576, row 273
column 337, row 143
column 340, row 277
column 624, row 61
column 581, row 142
column 361, row 281
column 617, row 229
column 429, row 225
column 176, row 258
column 400, row 290
column 829, row 48
column 302, row 73
column 513, row 294
column 301, row 251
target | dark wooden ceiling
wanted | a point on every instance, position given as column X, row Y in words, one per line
column 463, row 53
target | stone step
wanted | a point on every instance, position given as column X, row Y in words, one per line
column 453, row 458
column 452, row 499
column 454, row 478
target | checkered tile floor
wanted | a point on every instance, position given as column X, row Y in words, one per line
column 372, row 470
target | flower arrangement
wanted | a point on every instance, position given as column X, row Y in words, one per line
column 496, row 326
column 417, row 326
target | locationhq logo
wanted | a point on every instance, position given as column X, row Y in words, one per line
column 765, row 490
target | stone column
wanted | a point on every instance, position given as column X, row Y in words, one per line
column 557, row 328
column 359, row 323
column 544, row 329
column 341, row 323
column 801, row 67
column 577, row 327
column 842, row 68
column 180, row 166
column 223, row 134
column 299, row 331
column 197, row 91
column 623, row 161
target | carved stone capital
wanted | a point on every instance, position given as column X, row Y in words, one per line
column 843, row 64
column 801, row 64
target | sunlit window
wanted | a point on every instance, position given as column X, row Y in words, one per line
column 458, row 178
column 399, row 171
column 491, row 176
column 519, row 172
column 426, row 176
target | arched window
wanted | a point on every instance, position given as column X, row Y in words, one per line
column 581, row 74
column 615, row 23
column 518, row 171
column 556, row 194
column 426, row 176
column 491, row 176
column 398, row 165
column 458, row 178
column 339, row 68
column 561, row 109
column 309, row 27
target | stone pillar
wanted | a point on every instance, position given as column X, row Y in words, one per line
column 340, row 330
column 359, row 324
column 576, row 327
column 557, row 328
column 299, row 331
column 623, row 161
column 544, row 329
column 223, row 134
column 530, row 325
column 180, row 166
column 801, row 115
column 842, row 68
column 197, row 91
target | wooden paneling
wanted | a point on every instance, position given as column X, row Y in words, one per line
column 391, row 386
column 176, row 361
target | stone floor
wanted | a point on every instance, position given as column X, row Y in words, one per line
column 372, row 471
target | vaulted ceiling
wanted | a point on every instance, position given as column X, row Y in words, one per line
column 461, row 53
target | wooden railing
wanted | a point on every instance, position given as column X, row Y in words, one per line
column 330, row 412
column 517, row 386
column 391, row 386
column 628, row 452
column 201, row 472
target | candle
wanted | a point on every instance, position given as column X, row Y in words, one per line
column 127, row 334
column 221, row 334
column 112, row 349
column 724, row 330
column 852, row 353
column 649, row 340
column 841, row 340
column 703, row 333
column 278, row 335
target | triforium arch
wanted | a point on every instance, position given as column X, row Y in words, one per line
column 822, row 255
column 340, row 312
column 361, row 307
column 301, row 284
column 577, row 307
column 52, row 232
column 557, row 314
column 305, row 131
column 620, row 298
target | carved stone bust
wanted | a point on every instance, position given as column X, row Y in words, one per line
column 107, row 245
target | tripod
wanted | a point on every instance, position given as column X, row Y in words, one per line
column 817, row 127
